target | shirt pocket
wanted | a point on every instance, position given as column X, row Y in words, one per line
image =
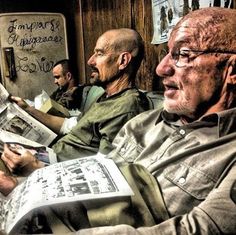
column 129, row 150
column 192, row 180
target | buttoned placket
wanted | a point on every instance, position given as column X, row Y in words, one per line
column 176, row 136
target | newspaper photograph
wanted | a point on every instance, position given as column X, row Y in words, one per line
column 16, row 120
column 88, row 178
column 19, row 144
column 166, row 13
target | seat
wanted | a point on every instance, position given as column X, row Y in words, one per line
column 90, row 95
column 156, row 99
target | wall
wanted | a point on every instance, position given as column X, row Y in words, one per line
column 88, row 19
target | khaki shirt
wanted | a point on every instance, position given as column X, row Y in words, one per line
column 70, row 99
column 194, row 165
column 97, row 128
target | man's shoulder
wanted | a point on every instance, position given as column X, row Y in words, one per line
column 74, row 90
column 131, row 95
column 138, row 98
column 147, row 116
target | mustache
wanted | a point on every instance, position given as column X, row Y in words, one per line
column 93, row 69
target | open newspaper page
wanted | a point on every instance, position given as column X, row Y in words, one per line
column 16, row 120
column 83, row 179
column 20, row 144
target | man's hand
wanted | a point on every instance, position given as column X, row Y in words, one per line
column 21, row 163
column 20, row 102
column 53, row 122
column 7, row 183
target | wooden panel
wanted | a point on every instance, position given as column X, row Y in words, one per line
column 99, row 16
column 142, row 22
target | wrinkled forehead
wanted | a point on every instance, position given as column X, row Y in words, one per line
column 184, row 34
column 104, row 42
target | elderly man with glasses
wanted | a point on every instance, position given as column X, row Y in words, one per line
column 190, row 146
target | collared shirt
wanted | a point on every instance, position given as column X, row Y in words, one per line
column 70, row 99
column 187, row 161
column 98, row 126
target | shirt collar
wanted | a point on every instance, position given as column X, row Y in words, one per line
column 225, row 121
column 104, row 95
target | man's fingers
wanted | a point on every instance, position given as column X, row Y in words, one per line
column 12, row 160
column 7, row 183
column 9, row 164
column 15, row 98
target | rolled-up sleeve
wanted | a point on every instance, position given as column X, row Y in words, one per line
column 68, row 124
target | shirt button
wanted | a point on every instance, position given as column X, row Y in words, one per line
column 122, row 150
column 153, row 160
column 182, row 132
column 182, row 180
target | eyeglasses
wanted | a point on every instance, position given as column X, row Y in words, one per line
column 182, row 57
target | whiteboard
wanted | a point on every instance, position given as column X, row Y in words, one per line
column 31, row 42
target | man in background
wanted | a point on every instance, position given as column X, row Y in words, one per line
column 68, row 93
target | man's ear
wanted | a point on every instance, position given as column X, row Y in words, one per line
column 230, row 74
column 68, row 76
column 231, row 70
column 124, row 60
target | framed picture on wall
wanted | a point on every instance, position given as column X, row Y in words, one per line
column 166, row 13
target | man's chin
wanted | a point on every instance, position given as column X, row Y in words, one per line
column 96, row 82
column 171, row 107
column 93, row 80
column 180, row 110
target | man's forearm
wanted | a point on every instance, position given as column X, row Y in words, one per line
column 52, row 122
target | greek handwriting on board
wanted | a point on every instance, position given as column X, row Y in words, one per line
column 52, row 25
column 32, row 37
column 34, row 33
column 25, row 64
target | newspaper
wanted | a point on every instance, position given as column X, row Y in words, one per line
column 16, row 120
column 166, row 13
column 19, row 144
column 81, row 179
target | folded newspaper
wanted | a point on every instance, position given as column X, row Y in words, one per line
column 83, row 179
column 14, row 119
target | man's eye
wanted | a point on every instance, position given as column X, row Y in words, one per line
column 175, row 55
column 99, row 54
column 184, row 54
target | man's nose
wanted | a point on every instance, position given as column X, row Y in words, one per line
column 165, row 67
column 91, row 60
